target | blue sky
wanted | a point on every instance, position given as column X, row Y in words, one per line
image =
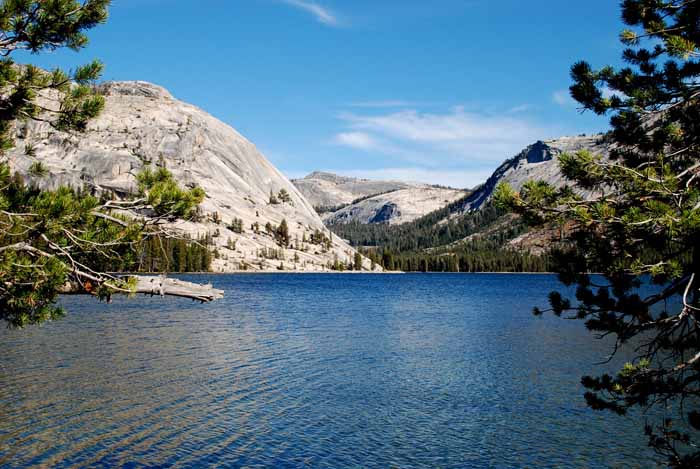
column 439, row 91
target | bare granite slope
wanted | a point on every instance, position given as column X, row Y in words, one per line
column 401, row 206
column 341, row 199
column 325, row 190
column 538, row 161
column 143, row 124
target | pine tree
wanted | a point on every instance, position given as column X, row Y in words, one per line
column 236, row 226
column 64, row 239
column 358, row 261
column 388, row 260
column 38, row 26
column 282, row 234
column 284, row 196
column 644, row 225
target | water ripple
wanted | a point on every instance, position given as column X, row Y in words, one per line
column 311, row 371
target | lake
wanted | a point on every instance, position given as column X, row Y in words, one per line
column 414, row 370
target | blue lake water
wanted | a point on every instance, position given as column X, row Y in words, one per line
column 328, row 371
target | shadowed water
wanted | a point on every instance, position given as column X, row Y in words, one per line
column 312, row 370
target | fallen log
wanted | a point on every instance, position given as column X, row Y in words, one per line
column 165, row 286
column 153, row 285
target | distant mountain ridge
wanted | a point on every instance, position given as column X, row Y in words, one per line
column 396, row 207
column 327, row 190
column 342, row 199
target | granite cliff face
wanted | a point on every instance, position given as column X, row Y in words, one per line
column 143, row 124
column 341, row 199
column 401, row 206
column 326, row 190
column 538, row 161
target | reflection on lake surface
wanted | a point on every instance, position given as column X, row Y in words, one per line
column 312, row 370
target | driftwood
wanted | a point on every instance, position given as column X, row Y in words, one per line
column 157, row 285
column 164, row 286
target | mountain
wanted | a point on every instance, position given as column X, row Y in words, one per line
column 340, row 199
column 326, row 191
column 538, row 161
column 394, row 203
column 400, row 206
column 143, row 124
column 471, row 234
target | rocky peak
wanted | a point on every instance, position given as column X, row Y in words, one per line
column 538, row 161
column 538, row 152
column 135, row 88
column 330, row 177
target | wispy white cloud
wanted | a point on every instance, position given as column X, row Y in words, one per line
column 359, row 140
column 322, row 14
column 455, row 126
column 440, row 138
column 378, row 145
column 563, row 98
column 458, row 147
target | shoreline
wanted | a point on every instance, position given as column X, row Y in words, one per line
column 349, row 272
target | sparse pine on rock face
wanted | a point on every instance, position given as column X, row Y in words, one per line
column 141, row 125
